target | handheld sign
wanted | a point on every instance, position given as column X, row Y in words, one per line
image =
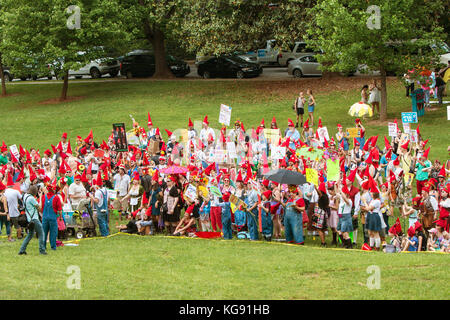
column 225, row 115
column 353, row 133
column 409, row 117
column 392, row 127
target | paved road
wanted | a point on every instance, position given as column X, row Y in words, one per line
column 269, row 74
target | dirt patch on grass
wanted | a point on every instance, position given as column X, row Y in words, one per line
column 317, row 85
column 58, row 101
column 11, row 95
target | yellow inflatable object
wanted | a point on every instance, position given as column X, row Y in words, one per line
column 446, row 75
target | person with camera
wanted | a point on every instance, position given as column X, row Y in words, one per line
column 51, row 208
column 34, row 224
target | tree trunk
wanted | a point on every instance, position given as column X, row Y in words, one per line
column 2, row 78
column 65, row 87
column 383, row 105
column 162, row 69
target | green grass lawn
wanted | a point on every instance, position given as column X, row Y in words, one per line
column 157, row 267
column 27, row 121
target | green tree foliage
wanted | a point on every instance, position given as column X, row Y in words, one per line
column 37, row 34
column 224, row 26
column 349, row 36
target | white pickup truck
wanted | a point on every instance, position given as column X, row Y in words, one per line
column 298, row 50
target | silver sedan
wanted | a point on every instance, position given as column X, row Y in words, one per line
column 304, row 66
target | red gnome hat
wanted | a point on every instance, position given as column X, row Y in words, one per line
column 149, row 122
column 190, row 124
column 425, row 154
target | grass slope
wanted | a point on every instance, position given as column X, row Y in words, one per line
column 32, row 123
column 133, row 267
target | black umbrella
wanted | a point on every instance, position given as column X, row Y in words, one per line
column 286, row 177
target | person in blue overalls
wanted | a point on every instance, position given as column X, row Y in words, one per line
column 101, row 206
column 252, row 212
column 293, row 217
column 51, row 205
column 266, row 218
column 226, row 216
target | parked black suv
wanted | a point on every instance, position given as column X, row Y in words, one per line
column 142, row 64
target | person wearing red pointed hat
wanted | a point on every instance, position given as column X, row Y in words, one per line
column 429, row 209
column 356, row 155
column 355, row 195
column 77, row 191
column 341, row 138
column 292, row 133
column 412, row 242
column 3, row 154
column 374, row 221
column 273, row 124
column 206, row 132
column 266, row 218
column 135, row 192
column 423, row 170
column 345, row 225
column 51, row 208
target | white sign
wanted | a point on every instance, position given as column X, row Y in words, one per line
column 14, row 151
column 406, row 128
column 112, row 194
column 220, row 156
column 414, row 137
column 278, row 153
column 231, row 149
column 225, row 115
column 392, row 129
column 191, row 192
column 323, row 134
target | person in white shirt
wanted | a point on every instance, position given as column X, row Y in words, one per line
column 206, row 132
column 374, row 221
column 12, row 198
column 121, row 184
column 77, row 192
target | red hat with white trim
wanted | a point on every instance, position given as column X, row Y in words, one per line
column 149, row 122
column 205, row 121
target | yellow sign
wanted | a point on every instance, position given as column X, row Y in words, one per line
column 353, row 132
column 312, row 176
column 272, row 134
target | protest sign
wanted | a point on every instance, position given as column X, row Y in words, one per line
column 120, row 137
column 231, row 149
column 414, row 137
column 255, row 186
column 332, row 170
column 278, row 153
column 323, row 134
column 392, row 127
column 191, row 192
column 311, row 153
column 409, row 117
column 225, row 115
column 214, row 190
column 14, row 151
column 312, row 176
column 220, row 155
column 406, row 127
column 272, row 135
column 353, row 132
column 237, row 202
column 112, row 194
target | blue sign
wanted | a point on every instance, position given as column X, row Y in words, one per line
column 261, row 52
column 409, row 117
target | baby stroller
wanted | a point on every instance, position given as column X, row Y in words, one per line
column 82, row 224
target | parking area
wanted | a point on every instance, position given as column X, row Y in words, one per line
column 269, row 73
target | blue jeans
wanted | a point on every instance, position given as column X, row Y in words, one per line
column 252, row 224
column 267, row 224
column 4, row 220
column 102, row 220
column 293, row 226
column 38, row 229
column 226, row 227
column 50, row 226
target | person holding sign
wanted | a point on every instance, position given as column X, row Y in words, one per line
column 345, row 225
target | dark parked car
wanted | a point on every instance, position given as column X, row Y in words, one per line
column 142, row 64
column 228, row 67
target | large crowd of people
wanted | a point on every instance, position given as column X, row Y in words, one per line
column 216, row 182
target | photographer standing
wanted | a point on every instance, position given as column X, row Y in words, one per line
column 34, row 224
column 100, row 200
